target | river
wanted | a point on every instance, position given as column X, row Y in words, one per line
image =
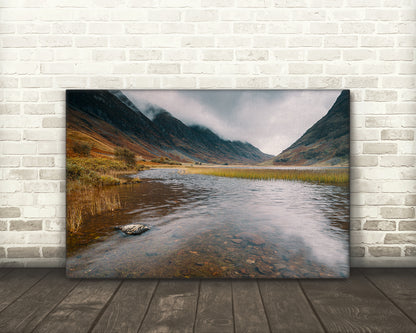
column 207, row 226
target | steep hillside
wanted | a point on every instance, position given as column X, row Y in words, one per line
column 109, row 119
column 326, row 142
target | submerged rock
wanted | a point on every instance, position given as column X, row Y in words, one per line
column 133, row 229
column 251, row 238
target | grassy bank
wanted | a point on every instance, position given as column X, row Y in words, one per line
column 88, row 190
column 324, row 176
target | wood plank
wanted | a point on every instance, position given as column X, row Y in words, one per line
column 215, row 308
column 287, row 308
column 172, row 308
column 4, row 271
column 29, row 310
column 399, row 285
column 249, row 315
column 128, row 307
column 17, row 282
column 77, row 312
column 354, row 305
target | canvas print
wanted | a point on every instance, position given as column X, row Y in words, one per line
column 207, row 183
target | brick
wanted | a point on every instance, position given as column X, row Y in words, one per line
column 410, row 200
column 218, row 55
column 195, row 15
column 109, row 55
column 164, row 15
column 249, row 28
column 410, row 251
column 380, row 225
column 47, row 147
column 52, row 174
column 145, row 54
column 163, row 68
column 325, row 54
column 53, row 122
column 357, row 28
column 9, row 161
column 400, row 238
column 42, row 135
column 407, row 225
column 359, row 55
column 20, row 225
column 320, row 82
column 23, row 252
column 9, row 212
column 9, row 135
column 105, row 28
column 198, row 68
column 381, row 121
column 364, row 161
column 90, row 41
column 305, row 41
column 384, row 251
column 19, row 148
column 22, row 174
column 305, row 68
column 40, row 187
column 380, row 148
column 252, row 82
column 39, row 109
column 392, row 54
column 55, row 41
column 397, row 213
column 198, row 41
column 361, row 82
column 355, row 225
column 2, row 252
column 341, row 41
column 398, row 161
column 187, row 28
column 252, row 55
column 265, row 41
column 53, row 252
column 393, row 134
column 10, row 186
column 285, row 28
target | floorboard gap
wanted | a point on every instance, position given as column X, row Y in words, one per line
column 312, row 307
column 264, row 308
column 148, row 306
column 386, row 296
column 104, row 308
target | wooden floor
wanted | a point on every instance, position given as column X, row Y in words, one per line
column 371, row 300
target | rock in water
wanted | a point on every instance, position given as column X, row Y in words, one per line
column 133, row 229
column 251, row 238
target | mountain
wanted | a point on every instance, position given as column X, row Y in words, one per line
column 108, row 119
column 326, row 143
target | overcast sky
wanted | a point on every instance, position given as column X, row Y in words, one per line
column 271, row 120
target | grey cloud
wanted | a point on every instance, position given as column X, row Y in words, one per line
column 269, row 119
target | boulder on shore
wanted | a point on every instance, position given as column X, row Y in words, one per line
column 133, row 229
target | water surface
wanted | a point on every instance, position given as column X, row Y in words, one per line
column 207, row 226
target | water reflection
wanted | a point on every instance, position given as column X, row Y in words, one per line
column 205, row 226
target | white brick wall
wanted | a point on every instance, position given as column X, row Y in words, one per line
column 366, row 46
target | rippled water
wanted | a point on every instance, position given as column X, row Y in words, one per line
column 207, row 226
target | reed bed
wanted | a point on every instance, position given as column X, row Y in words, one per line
column 322, row 176
column 87, row 202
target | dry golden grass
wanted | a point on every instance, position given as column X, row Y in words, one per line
column 325, row 176
column 87, row 202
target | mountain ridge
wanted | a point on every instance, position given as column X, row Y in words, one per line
column 326, row 143
column 97, row 113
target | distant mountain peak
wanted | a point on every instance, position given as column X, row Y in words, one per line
column 324, row 143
